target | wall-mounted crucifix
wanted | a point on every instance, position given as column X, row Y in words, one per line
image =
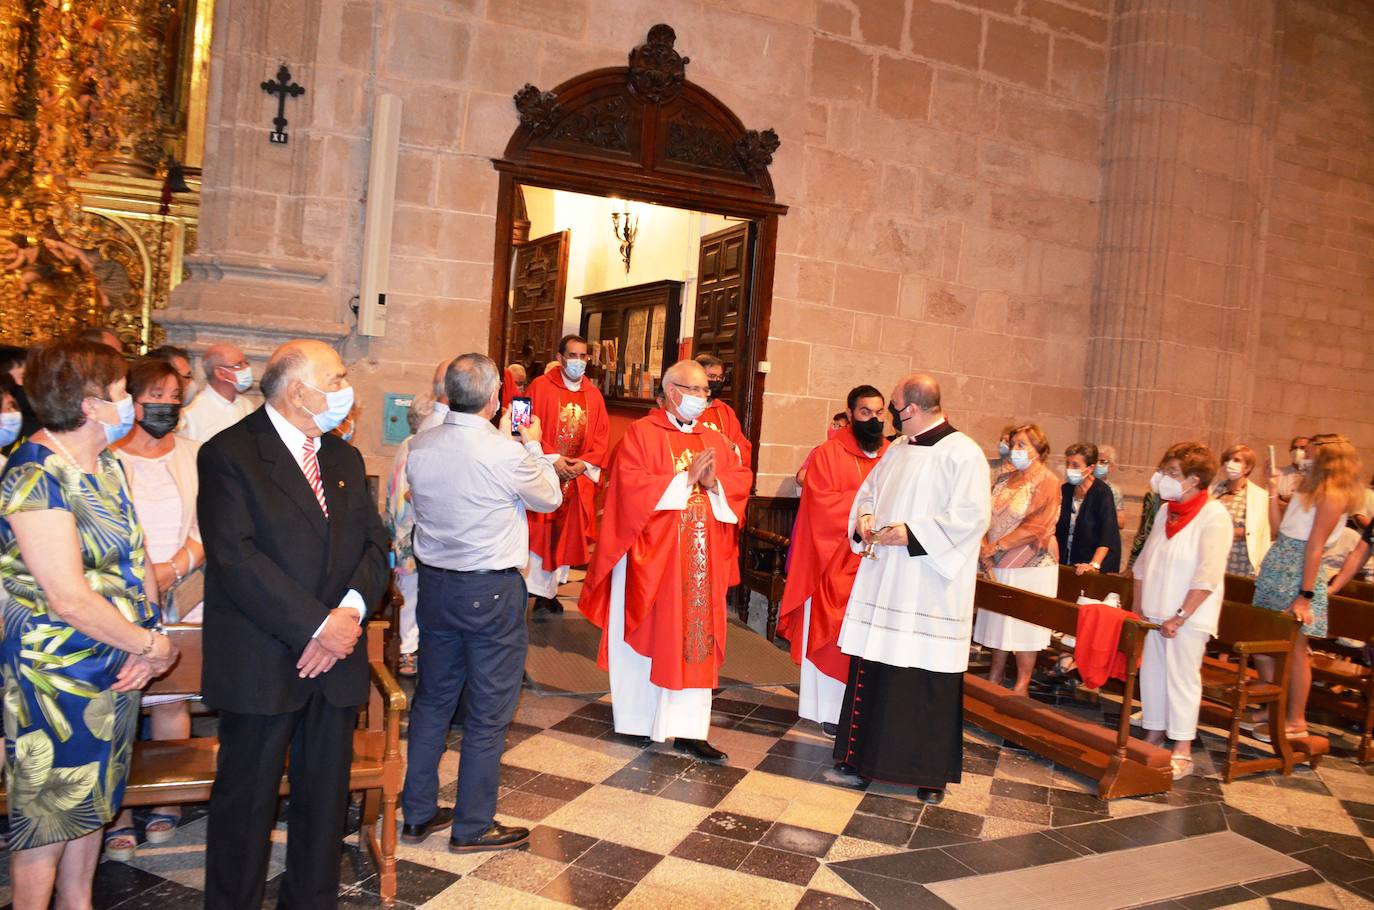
column 282, row 87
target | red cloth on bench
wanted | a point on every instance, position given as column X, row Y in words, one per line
column 1095, row 651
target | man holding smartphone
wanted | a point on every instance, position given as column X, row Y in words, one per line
column 471, row 486
column 577, row 445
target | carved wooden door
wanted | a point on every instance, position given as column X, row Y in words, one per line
column 723, row 274
column 539, row 284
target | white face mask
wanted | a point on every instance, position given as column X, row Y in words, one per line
column 337, row 404
column 1073, row 476
column 574, row 369
column 1235, row 469
column 1170, row 488
column 243, row 379
column 1154, row 482
column 690, row 407
column 1020, row 459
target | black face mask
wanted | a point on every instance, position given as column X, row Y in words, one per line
column 868, row 432
column 896, row 417
column 715, row 385
column 160, row 419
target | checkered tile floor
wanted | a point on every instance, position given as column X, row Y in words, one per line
column 615, row 826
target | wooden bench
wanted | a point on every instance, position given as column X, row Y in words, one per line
column 174, row 772
column 1342, row 682
column 1094, row 585
column 1121, row 764
column 765, row 537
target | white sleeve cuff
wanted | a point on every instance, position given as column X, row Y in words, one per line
column 720, row 505
column 354, row 601
column 593, row 472
column 674, row 499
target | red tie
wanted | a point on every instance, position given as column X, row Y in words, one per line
column 311, row 466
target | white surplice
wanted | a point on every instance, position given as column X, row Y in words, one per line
column 639, row 707
column 917, row 611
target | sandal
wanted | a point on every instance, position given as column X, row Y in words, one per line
column 121, row 844
column 407, row 666
column 160, row 827
column 1262, row 733
column 1182, row 766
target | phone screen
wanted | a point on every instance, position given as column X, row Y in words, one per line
column 520, row 411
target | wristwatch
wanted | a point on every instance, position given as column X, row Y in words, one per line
column 1307, row 595
column 1097, row 566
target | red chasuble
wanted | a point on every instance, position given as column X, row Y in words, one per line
column 677, row 562
column 822, row 565
column 722, row 418
column 574, row 425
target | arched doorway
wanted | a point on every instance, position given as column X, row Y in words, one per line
column 645, row 133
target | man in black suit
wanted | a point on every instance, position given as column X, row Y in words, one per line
column 296, row 556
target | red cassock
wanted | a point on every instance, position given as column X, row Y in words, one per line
column 575, row 425
column 676, row 570
column 822, row 565
column 722, row 418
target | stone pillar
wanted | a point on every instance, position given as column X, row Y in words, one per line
column 1190, row 99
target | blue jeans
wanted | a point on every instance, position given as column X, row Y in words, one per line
column 472, row 631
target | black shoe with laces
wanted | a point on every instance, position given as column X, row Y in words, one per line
column 701, row 750
column 497, row 837
column 415, row 834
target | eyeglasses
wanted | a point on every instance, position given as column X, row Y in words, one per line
column 694, row 389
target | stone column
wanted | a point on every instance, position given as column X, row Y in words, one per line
column 1190, row 98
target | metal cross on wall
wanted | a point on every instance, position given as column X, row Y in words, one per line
column 282, row 87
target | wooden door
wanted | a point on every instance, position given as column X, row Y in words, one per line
column 723, row 274
column 538, row 287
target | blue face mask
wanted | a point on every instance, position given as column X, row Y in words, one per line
column 1003, row 449
column 114, row 432
column 574, row 369
column 1020, row 459
column 10, row 422
column 1100, row 470
column 1073, row 476
column 337, row 404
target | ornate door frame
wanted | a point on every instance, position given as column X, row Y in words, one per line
column 645, row 132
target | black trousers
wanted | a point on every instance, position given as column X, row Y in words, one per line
column 902, row 724
column 243, row 805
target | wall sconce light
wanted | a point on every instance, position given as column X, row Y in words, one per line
column 625, row 226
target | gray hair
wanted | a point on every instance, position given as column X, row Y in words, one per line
column 289, row 362
column 470, row 381
column 420, row 408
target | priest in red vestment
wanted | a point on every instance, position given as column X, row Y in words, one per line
column 657, row 583
column 576, row 439
column 822, row 566
column 719, row 415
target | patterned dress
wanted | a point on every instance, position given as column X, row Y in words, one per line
column 68, row 737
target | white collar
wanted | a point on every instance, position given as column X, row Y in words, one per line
column 216, row 397
column 686, row 426
column 290, row 434
column 571, row 386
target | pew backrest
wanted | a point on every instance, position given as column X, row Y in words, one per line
column 1096, row 586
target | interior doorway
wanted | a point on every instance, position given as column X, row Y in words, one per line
column 642, row 143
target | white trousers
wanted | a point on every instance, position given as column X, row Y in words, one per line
column 821, row 697
column 409, row 586
column 1171, row 682
column 641, row 708
column 541, row 583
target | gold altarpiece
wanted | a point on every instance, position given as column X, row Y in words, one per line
column 99, row 101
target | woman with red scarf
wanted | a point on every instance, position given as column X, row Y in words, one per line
column 1179, row 581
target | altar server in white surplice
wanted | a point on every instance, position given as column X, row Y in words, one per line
column 924, row 510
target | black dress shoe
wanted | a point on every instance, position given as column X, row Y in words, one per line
column 701, row 750
column 844, row 776
column 931, row 796
column 829, row 729
column 497, row 837
column 414, row 834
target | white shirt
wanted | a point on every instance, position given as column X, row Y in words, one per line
column 294, row 440
column 471, row 486
column 434, row 418
column 1193, row 559
column 210, row 412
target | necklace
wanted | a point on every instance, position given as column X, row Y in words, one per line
column 62, row 450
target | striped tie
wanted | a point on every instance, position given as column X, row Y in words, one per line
column 311, row 466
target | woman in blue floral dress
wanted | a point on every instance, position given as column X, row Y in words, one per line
column 80, row 619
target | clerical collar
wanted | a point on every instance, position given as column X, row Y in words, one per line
column 569, row 384
column 934, row 434
column 685, row 426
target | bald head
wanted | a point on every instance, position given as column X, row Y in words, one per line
column 297, row 378
column 517, row 372
column 437, row 384
column 222, row 364
column 916, row 399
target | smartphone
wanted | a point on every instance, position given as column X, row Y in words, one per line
column 520, row 412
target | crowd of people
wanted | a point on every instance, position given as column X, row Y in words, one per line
column 123, row 479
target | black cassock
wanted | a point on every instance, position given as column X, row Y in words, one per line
column 902, row 724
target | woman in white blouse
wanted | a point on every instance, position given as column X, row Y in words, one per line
column 161, row 470
column 1180, row 577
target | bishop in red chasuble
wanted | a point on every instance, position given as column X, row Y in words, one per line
column 822, row 565
column 657, row 583
column 576, row 439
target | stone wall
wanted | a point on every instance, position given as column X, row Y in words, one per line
column 944, row 163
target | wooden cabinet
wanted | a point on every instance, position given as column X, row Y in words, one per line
column 633, row 336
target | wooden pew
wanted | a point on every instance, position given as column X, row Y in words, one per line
column 1121, row 764
column 173, row 772
column 1336, row 666
column 1230, row 686
column 1096, row 586
column 764, row 539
